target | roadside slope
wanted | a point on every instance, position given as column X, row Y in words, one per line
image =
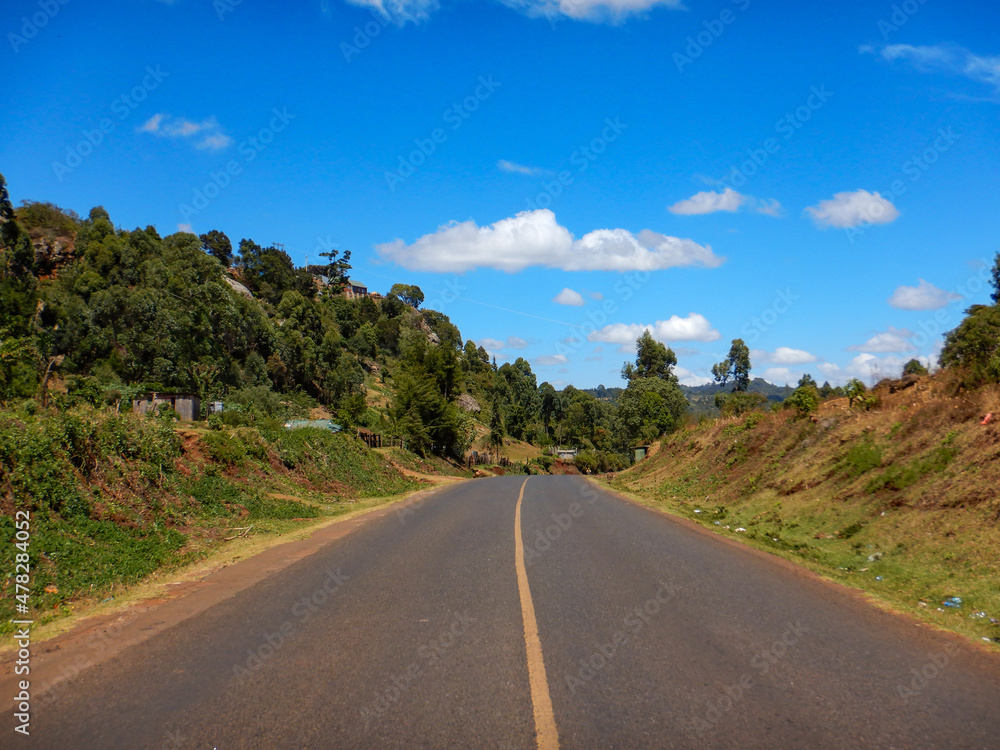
column 900, row 501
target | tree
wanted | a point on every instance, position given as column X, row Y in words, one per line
column 649, row 408
column 855, row 391
column 995, row 295
column 975, row 344
column 217, row 245
column 804, row 400
column 807, row 381
column 735, row 367
column 410, row 294
column 652, row 360
column 914, row 367
column 336, row 270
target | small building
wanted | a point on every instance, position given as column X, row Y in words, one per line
column 187, row 405
column 355, row 290
column 640, row 452
column 566, row 454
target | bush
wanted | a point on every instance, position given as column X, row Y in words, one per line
column 739, row 403
column 804, row 400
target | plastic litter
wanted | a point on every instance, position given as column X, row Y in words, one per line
column 987, row 418
column 978, row 615
column 697, row 511
column 718, row 523
column 876, row 556
column 953, row 601
column 878, row 578
column 740, row 529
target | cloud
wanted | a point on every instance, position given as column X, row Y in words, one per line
column 708, row 202
column 892, row 340
column 534, row 238
column 694, row 327
column 491, row 345
column 568, row 297
column 783, row 355
column 687, row 377
column 210, row 135
column 946, row 58
column 596, row 295
column 185, row 228
column 924, row 296
column 853, row 209
column 509, row 166
column 780, row 376
column 496, row 345
column 769, row 207
column 547, row 360
column 612, row 11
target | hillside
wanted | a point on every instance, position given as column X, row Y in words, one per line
column 901, row 500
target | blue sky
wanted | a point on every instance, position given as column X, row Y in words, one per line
column 556, row 176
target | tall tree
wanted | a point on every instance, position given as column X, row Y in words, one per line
column 995, row 296
column 217, row 245
column 409, row 293
column 652, row 360
column 734, row 368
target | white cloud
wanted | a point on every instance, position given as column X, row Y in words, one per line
column 947, row 58
column 924, row 296
column 210, row 134
column 513, row 342
column 534, row 238
column 596, row 295
column 613, row 11
column 509, row 166
column 185, row 228
column 694, row 327
column 708, row 201
column 828, row 368
column 783, row 355
column 853, row 209
column 491, row 345
column 547, row 360
column 568, row 297
column 891, row 340
column 769, row 207
column 781, row 376
column 687, row 377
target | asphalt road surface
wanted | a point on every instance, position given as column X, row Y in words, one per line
column 608, row 626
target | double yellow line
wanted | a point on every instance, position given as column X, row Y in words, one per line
column 545, row 719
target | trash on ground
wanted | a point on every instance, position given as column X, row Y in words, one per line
column 953, row 601
column 876, row 556
column 740, row 529
column 878, row 578
column 697, row 511
column 978, row 615
column 987, row 419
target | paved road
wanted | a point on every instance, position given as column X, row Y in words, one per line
column 411, row 633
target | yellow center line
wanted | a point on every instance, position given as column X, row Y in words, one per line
column 545, row 720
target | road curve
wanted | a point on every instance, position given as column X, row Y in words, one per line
column 411, row 632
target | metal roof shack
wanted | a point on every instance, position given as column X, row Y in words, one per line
column 187, row 405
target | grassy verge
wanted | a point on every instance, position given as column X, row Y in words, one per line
column 894, row 502
column 116, row 498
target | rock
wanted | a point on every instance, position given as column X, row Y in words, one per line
column 468, row 403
